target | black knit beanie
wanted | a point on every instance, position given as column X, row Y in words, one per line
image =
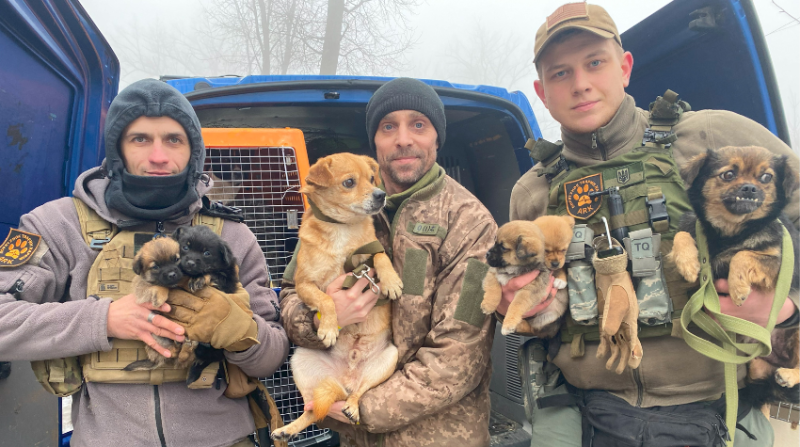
column 405, row 94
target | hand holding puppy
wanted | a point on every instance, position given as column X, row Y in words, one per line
column 352, row 305
column 222, row 319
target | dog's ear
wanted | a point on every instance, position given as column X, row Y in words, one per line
column 226, row 255
column 523, row 249
column 177, row 233
column 569, row 220
column 791, row 178
column 320, row 174
column 692, row 167
column 138, row 265
column 373, row 165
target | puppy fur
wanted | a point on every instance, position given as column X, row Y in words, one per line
column 343, row 187
column 738, row 194
column 206, row 259
column 519, row 248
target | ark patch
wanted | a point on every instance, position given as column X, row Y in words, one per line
column 580, row 204
column 18, row 248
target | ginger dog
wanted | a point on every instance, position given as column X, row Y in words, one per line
column 519, row 249
column 343, row 188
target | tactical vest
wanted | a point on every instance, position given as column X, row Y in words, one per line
column 653, row 198
column 110, row 277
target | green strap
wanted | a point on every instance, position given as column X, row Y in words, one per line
column 371, row 249
column 706, row 301
column 319, row 214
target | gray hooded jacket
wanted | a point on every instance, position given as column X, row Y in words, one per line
column 53, row 318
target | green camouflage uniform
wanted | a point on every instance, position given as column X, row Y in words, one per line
column 439, row 394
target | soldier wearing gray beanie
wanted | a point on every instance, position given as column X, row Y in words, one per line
column 405, row 94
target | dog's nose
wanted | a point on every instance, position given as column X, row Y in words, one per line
column 379, row 195
column 554, row 264
column 172, row 276
column 190, row 264
column 748, row 188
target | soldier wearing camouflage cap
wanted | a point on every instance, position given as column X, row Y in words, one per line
column 438, row 234
column 583, row 72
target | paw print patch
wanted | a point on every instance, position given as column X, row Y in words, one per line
column 18, row 248
column 580, row 204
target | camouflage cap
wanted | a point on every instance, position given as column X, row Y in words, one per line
column 580, row 15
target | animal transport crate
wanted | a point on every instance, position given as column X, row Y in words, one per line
column 260, row 171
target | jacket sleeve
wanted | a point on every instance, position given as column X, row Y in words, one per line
column 525, row 204
column 455, row 352
column 263, row 359
column 46, row 321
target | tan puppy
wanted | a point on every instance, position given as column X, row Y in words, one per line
column 343, row 189
column 519, row 249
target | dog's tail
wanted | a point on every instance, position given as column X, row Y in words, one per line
column 325, row 394
column 140, row 365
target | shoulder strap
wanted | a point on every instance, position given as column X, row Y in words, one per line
column 665, row 112
column 96, row 231
column 213, row 222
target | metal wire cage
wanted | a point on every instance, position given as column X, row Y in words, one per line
column 259, row 171
column 786, row 412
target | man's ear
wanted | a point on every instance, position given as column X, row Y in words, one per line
column 539, row 87
column 320, row 174
column 692, row 167
column 627, row 68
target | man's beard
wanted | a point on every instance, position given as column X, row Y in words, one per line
column 406, row 178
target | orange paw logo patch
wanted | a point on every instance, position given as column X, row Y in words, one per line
column 580, row 204
column 18, row 248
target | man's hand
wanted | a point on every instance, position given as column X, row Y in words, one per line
column 755, row 308
column 352, row 305
column 510, row 289
column 127, row 320
column 335, row 412
column 224, row 320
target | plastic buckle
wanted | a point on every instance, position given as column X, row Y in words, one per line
column 659, row 137
column 373, row 286
column 657, row 210
column 97, row 244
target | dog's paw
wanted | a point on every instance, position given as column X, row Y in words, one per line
column 509, row 326
column 487, row 307
column 328, row 335
column 281, row 434
column 351, row 411
column 198, row 283
column 559, row 284
column 739, row 291
column 392, row 287
column 786, row 377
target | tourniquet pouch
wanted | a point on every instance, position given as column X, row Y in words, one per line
column 580, row 277
column 609, row 421
column 644, row 253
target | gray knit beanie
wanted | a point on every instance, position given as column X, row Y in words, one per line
column 405, row 94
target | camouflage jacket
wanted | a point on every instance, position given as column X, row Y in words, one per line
column 439, row 394
column 671, row 373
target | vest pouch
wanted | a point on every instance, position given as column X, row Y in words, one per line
column 61, row 377
column 107, row 366
column 582, row 293
column 644, row 252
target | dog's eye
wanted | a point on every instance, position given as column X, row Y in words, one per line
column 185, row 248
column 728, row 176
column 504, row 249
column 206, row 253
column 155, row 268
column 766, row 178
column 372, row 180
column 349, row 183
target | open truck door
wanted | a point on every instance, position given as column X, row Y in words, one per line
column 57, row 78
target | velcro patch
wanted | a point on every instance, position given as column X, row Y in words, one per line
column 18, row 248
column 568, row 12
column 425, row 229
column 580, row 204
column 468, row 309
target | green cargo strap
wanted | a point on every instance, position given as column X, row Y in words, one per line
column 95, row 230
column 706, row 301
column 371, row 249
column 629, row 219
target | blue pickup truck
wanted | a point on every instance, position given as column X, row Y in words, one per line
column 58, row 76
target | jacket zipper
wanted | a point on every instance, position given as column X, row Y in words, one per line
column 639, row 387
column 595, row 147
column 159, row 423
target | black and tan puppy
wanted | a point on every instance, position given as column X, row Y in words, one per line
column 205, row 258
column 157, row 266
column 738, row 195
column 519, row 249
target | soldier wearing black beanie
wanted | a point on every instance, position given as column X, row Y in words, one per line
column 405, row 94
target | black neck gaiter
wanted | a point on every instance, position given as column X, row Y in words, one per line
column 150, row 198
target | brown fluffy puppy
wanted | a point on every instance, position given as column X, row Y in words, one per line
column 343, row 188
column 519, row 249
column 738, row 194
column 157, row 266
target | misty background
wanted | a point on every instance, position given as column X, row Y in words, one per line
column 461, row 41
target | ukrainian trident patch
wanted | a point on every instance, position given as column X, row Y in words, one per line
column 580, row 204
column 18, row 248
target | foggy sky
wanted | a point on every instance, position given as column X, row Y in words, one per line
column 443, row 27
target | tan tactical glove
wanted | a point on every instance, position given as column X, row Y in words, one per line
column 211, row 316
column 616, row 300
